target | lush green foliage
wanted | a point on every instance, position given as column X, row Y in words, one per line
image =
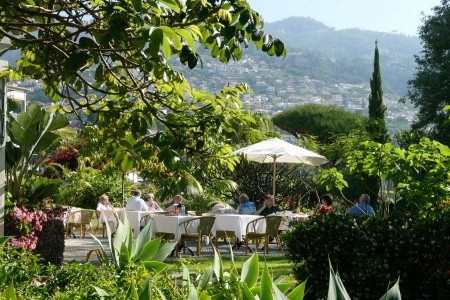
column 419, row 173
column 32, row 135
column 429, row 88
column 369, row 252
column 118, row 63
column 135, row 270
column 83, row 187
column 321, row 121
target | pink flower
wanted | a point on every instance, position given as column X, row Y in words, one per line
column 29, row 222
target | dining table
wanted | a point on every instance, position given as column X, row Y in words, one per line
column 134, row 218
column 237, row 223
column 289, row 217
column 168, row 223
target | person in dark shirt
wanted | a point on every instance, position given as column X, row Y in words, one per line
column 267, row 208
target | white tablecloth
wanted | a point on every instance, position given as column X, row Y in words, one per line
column 134, row 217
column 288, row 217
column 237, row 223
column 170, row 224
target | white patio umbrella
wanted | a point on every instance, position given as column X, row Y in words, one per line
column 276, row 150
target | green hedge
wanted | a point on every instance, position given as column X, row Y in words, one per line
column 369, row 252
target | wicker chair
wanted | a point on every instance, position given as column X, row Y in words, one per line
column 224, row 234
column 79, row 219
column 102, row 225
column 272, row 224
column 204, row 228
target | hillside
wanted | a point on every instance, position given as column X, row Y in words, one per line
column 352, row 50
column 323, row 65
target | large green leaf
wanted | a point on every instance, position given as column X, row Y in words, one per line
column 100, row 292
column 132, row 292
column 164, row 251
column 248, row 293
column 45, row 141
column 149, row 250
column 250, row 270
column 393, row 293
column 156, row 40
column 154, row 266
column 4, row 239
column 10, row 292
column 41, row 188
column 146, row 292
column 174, row 5
column 218, row 265
column 143, row 237
column 266, row 285
column 205, row 278
column 298, row 293
column 58, row 122
column 336, row 289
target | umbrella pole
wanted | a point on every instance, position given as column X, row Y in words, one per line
column 274, row 177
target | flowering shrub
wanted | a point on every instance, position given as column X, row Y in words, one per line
column 369, row 252
column 66, row 158
column 28, row 223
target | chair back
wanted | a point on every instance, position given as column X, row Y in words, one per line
column 252, row 226
column 145, row 220
column 86, row 216
column 82, row 216
column 206, row 224
column 273, row 224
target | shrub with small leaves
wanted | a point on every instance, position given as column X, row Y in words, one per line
column 369, row 252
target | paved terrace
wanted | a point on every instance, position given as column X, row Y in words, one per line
column 77, row 249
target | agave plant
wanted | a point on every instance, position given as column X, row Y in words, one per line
column 216, row 283
column 336, row 289
column 126, row 250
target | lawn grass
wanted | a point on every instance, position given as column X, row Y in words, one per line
column 278, row 265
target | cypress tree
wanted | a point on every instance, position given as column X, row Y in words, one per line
column 377, row 125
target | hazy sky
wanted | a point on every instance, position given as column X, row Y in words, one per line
column 403, row 16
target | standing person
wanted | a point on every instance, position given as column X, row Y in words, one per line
column 136, row 203
column 325, row 205
column 105, row 212
column 267, row 208
column 246, row 207
column 152, row 206
column 177, row 205
column 363, row 207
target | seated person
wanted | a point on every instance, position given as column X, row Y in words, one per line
column 363, row 208
column 177, row 205
column 152, row 206
column 105, row 212
column 325, row 205
column 136, row 203
column 246, row 207
column 267, row 208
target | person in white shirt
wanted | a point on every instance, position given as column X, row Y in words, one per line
column 105, row 212
column 136, row 203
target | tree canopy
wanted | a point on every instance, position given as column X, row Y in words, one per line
column 321, row 121
column 429, row 90
column 114, row 58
